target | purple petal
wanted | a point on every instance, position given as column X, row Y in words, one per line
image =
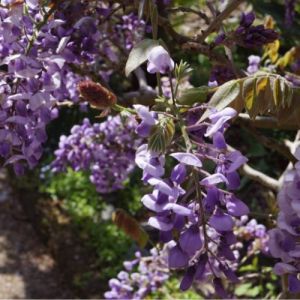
column 236, row 207
column 283, row 268
column 144, row 113
column 157, row 223
column 178, row 209
column 213, row 180
column 188, row 278
column 294, row 283
column 221, row 222
column 177, row 258
column 159, row 61
column 187, row 159
column 178, row 174
column 190, row 240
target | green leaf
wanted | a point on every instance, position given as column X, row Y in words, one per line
column 224, row 96
column 139, row 54
column 161, row 135
column 247, row 289
column 182, row 69
column 194, row 95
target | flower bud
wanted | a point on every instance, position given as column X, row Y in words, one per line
column 96, row 94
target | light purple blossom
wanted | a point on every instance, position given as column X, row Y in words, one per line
column 159, row 61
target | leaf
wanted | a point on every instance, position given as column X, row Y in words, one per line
column 141, row 9
column 276, row 91
column 287, row 58
column 224, row 96
column 130, row 226
column 249, row 93
column 264, row 94
column 247, row 289
column 288, row 95
column 194, row 95
column 139, row 54
column 161, row 135
column 272, row 50
column 154, row 18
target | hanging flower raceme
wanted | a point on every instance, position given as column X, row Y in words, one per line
column 142, row 276
column 284, row 239
column 203, row 215
column 43, row 48
column 106, row 150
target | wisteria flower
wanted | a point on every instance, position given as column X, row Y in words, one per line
column 159, row 61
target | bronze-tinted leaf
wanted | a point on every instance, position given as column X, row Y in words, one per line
column 130, row 226
column 249, row 92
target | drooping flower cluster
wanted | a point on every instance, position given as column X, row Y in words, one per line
column 284, row 240
column 143, row 275
column 247, row 35
column 202, row 216
column 42, row 53
column 250, row 36
column 105, row 149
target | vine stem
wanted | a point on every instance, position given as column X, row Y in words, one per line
column 195, row 174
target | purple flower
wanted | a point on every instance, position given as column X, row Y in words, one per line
column 236, row 207
column 177, row 258
column 190, row 240
column 187, row 159
column 253, row 65
column 219, row 119
column 221, row 221
column 148, row 120
column 159, row 61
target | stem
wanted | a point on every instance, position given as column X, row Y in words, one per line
column 217, row 22
column 118, row 107
column 195, row 174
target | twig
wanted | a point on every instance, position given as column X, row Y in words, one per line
column 189, row 10
column 292, row 146
column 260, row 177
column 217, row 22
column 269, row 142
column 264, row 122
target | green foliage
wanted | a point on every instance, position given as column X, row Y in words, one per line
column 194, row 95
column 261, row 93
column 170, row 290
column 90, row 214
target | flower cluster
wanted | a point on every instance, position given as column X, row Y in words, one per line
column 105, row 149
column 253, row 232
column 203, row 216
column 143, row 275
column 131, row 30
column 42, row 52
column 284, row 240
column 250, row 36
